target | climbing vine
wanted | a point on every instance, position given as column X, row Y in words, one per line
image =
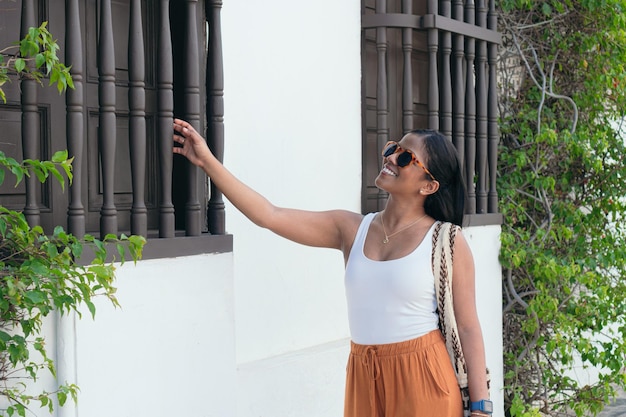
column 44, row 274
column 562, row 188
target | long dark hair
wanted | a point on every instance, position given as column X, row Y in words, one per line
column 448, row 203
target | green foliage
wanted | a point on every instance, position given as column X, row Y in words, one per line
column 41, row 274
column 34, row 57
column 563, row 196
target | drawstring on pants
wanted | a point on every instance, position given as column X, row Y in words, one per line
column 372, row 364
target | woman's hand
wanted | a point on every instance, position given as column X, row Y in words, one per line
column 193, row 146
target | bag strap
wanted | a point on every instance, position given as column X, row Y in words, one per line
column 442, row 261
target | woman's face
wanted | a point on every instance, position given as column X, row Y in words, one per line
column 408, row 179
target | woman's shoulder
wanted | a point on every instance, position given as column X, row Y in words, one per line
column 348, row 220
column 348, row 223
column 452, row 231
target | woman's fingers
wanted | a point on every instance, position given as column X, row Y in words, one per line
column 184, row 127
column 179, row 139
column 184, row 131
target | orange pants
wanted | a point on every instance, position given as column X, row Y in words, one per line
column 407, row 379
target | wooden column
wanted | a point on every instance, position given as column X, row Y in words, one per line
column 408, row 114
column 74, row 100
column 470, row 112
column 458, row 102
column 382, row 100
column 137, row 129
column 492, row 122
column 433, row 74
column 481, row 112
column 165, row 118
column 446, row 82
column 192, row 112
column 215, row 111
column 107, row 128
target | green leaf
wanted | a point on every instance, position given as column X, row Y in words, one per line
column 54, row 77
column 70, row 80
column 4, row 336
column 546, row 8
column 40, row 172
column 55, row 173
column 19, row 172
column 59, row 157
column 59, row 232
column 39, row 60
column 121, row 251
column 36, row 296
column 62, row 397
column 20, row 64
column 52, row 251
column 31, row 48
column 91, row 307
column 33, row 33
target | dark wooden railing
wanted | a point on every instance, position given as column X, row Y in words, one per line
column 215, row 111
column 107, row 140
column 121, row 140
column 460, row 46
column 165, row 114
column 75, row 115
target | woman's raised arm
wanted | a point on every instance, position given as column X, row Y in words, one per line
column 330, row 229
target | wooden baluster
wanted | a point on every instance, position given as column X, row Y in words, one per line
column 382, row 105
column 192, row 113
column 74, row 101
column 458, row 104
column 408, row 114
column 165, row 117
column 470, row 112
column 137, row 122
column 31, row 133
column 492, row 100
column 107, row 127
column 446, row 82
column 481, row 112
column 216, row 218
column 433, row 75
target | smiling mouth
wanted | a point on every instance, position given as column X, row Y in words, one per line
column 387, row 171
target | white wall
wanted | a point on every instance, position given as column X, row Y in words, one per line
column 304, row 383
column 168, row 351
column 293, row 132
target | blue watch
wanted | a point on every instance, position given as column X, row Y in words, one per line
column 485, row 406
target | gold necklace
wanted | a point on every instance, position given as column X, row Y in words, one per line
column 382, row 222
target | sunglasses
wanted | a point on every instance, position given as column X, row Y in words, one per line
column 405, row 157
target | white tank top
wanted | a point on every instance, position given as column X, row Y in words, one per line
column 390, row 301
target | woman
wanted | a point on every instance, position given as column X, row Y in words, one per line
column 398, row 365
